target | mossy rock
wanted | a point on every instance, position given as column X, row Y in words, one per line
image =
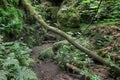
column 73, row 13
column 68, row 17
column 46, row 53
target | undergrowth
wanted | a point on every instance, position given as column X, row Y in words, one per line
column 15, row 61
column 17, row 23
column 65, row 53
column 11, row 22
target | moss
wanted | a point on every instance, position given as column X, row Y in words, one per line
column 67, row 53
column 68, row 17
column 47, row 11
column 46, row 53
column 57, row 45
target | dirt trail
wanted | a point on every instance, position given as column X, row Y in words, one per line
column 48, row 70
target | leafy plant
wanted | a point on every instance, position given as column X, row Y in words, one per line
column 88, row 73
column 67, row 53
column 11, row 23
column 15, row 62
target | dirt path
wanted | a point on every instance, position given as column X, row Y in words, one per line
column 48, row 70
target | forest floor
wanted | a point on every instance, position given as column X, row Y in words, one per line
column 49, row 70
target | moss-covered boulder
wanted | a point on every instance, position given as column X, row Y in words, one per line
column 74, row 12
column 68, row 17
column 46, row 53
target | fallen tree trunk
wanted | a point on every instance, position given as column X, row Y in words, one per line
column 67, row 37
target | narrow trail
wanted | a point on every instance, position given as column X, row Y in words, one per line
column 48, row 70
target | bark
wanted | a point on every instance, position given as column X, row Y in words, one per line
column 69, row 38
column 74, row 68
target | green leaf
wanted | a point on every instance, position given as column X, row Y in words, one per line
column 86, row 1
column 3, row 75
column 26, row 74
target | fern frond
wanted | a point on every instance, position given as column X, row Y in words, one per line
column 23, row 74
column 3, row 75
column 10, row 61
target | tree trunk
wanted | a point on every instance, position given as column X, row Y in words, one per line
column 69, row 38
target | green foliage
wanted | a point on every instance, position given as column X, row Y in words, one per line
column 109, row 11
column 47, row 12
column 105, row 41
column 95, row 77
column 32, row 34
column 17, row 23
column 11, row 19
column 88, row 73
column 47, row 53
column 67, row 53
column 42, row 10
column 3, row 75
column 15, row 62
column 26, row 74
column 86, row 1
column 73, row 13
column 68, row 17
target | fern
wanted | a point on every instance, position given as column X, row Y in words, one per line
column 10, row 61
column 11, row 21
column 15, row 62
column 23, row 74
column 3, row 75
